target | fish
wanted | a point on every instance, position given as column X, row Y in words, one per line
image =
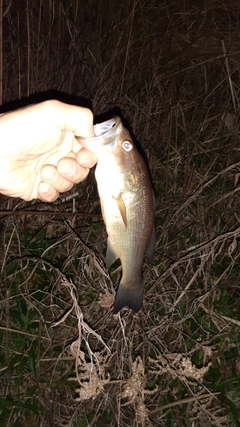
column 127, row 205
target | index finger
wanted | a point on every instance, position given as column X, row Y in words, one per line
column 78, row 120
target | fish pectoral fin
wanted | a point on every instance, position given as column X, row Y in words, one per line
column 122, row 208
column 151, row 246
column 111, row 256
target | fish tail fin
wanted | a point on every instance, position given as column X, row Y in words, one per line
column 128, row 297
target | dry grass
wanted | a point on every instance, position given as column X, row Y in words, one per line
column 172, row 69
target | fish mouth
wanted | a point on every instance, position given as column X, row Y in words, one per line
column 109, row 129
column 106, row 136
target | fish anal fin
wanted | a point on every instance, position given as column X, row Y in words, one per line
column 151, row 246
column 122, row 208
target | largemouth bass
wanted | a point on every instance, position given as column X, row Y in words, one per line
column 127, row 204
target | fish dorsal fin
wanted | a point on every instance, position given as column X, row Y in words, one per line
column 122, row 208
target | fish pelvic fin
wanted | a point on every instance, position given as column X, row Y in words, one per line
column 128, row 297
column 122, row 208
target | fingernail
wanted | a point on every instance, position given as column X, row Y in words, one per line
column 51, row 177
column 45, row 189
column 69, row 170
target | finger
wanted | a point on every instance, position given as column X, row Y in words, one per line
column 70, row 169
column 50, row 175
column 47, row 192
column 78, row 120
column 86, row 158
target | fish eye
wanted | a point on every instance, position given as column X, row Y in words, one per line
column 127, row 146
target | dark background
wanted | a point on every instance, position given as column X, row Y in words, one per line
column 171, row 68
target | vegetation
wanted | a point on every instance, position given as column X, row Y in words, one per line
column 171, row 69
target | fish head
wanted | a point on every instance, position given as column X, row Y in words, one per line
column 110, row 138
column 116, row 142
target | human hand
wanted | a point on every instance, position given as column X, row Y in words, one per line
column 39, row 155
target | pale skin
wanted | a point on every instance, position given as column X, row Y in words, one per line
column 39, row 155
